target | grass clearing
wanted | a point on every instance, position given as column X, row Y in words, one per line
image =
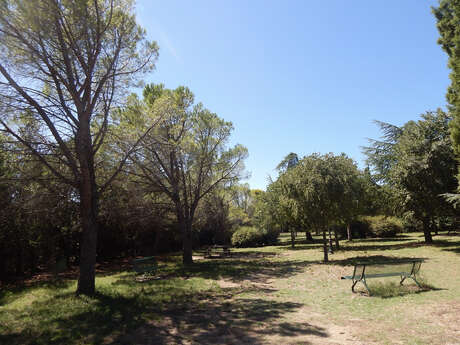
column 263, row 295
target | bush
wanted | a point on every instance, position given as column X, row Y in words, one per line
column 383, row 226
column 248, row 236
column 359, row 229
column 410, row 223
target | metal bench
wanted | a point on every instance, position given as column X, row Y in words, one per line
column 145, row 265
column 404, row 269
column 220, row 250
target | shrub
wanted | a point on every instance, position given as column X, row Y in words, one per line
column 359, row 229
column 410, row 223
column 248, row 236
column 383, row 226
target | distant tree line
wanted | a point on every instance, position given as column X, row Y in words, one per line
column 410, row 171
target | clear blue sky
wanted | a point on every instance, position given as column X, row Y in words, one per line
column 300, row 76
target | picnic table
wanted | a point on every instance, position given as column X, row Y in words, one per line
column 390, row 268
column 220, row 250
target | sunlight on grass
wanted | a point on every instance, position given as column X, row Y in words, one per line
column 260, row 287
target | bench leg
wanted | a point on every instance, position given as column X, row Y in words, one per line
column 353, row 286
column 402, row 280
column 367, row 287
column 411, row 277
column 363, row 280
column 415, row 280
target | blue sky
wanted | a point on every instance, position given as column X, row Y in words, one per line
column 300, row 76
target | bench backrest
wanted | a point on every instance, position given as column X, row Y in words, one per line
column 406, row 267
column 145, row 264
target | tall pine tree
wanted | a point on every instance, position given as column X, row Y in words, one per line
column 448, row 22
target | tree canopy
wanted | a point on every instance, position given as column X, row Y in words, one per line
column 185, row 155
column 448, row 23
column 420, row 166
column 64, row 66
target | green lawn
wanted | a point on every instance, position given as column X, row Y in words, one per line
column 270, row 295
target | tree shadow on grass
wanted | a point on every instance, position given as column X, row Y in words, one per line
column 221, row 321
column 408, row 244
column 252, row 254
column 207, row 317
column 367, row 244
column 234, row 270
column 238, row 270
column 450, row 246
column 90, row 322
column 301, row 246
column 67, row 319
column 399, row 238
column 10, row 293
column 374, row 259
column 377, row 247
column 455, row 250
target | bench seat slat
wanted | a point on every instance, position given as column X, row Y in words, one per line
column 390, row 274
column 347, row 277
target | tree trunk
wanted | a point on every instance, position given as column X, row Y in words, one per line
column 88, row 244
column 187, row 242
column 427, row 230
column 185, row 220
column 292, row 238
column 19, row 269
column 88, row 210
column 330, row 241
column 337, row 245
column 3, row 271
column 157, row 243
column 349, row 234
column 433, row 225
column 326, row 258
column 308, row 236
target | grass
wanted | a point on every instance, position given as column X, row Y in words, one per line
column 259, row 296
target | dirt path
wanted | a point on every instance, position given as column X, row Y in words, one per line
column 238, row 319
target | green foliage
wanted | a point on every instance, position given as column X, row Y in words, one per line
column 381, row 154
column 64, row 65
column 410, row 223
column 288, row 162
column 248, row 236
column 374, row 198
column 215, row 219
column 420, row 167
column 321, row 190
column 318, row 191
column 183, row 154
column 383, row 226
column 448, row 23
